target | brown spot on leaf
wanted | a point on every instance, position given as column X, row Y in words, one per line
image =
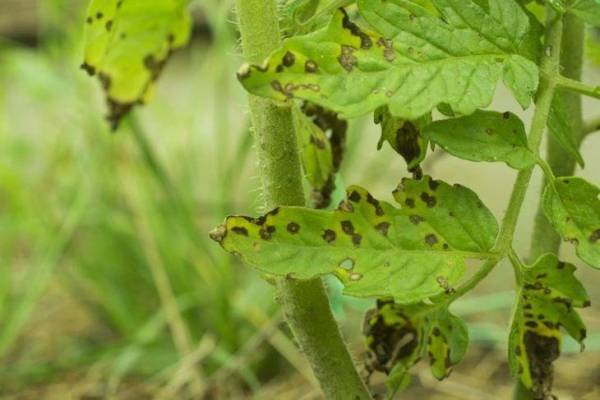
column 311, row 67
column 431, row 239
column 347, row 58
column 88, row 68
column 541, row 351
column 429, row 200
column 347, row 227
column 354, row 196
column 293, row 227
column 288, row 59
column 365, row 40
column 416, row 219
column 433, row 184
column 328, row 235
column 240, row 230
column 356, row 239
column 383, row 228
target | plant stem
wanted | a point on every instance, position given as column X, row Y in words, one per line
column 545, row 239
column 578, row 87
column 550, row 67
column 305, row 303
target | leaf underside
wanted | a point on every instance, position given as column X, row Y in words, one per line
column 484, row 136
column 415, row 62
column 375, row 249
column 127, row 43
column 549, row 294
column 572, row 205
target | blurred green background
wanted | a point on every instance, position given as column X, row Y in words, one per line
column 109, row 284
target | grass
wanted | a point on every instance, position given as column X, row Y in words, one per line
column 109, row 284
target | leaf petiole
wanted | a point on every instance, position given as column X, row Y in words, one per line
column 578, row 87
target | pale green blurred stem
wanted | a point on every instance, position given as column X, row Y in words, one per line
column 545, row 239
column 305, row 303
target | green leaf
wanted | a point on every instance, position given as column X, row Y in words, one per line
column 317, row 158
column 561, row 128
column 547, row 299
column 484, row 136
column 127, row 44
column 398, row 336
column 418, row 62
column 375, row 249
column 403, row 136
column 572, row 205
column 587, row 10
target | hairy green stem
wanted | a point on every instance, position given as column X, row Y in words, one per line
column 305, row 303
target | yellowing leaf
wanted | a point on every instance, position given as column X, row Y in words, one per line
column 415, row 62
column 572, row 205
column 398, row 336
column 375, row 249
column 127, row 43
column 547, row 299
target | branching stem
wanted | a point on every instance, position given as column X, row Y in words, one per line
column 550, row 66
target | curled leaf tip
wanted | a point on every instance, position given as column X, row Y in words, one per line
column 218, row 233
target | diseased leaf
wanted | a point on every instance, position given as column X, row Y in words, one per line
column 303, row 16
column 561, row 128
column 398, row 336
column 587, row 10
column 572, row 205
column 127, row 43
column 375, row 249
column 317, row 159
column 484, row 136
column 403, row 136
column 547, row 299
column 418, row 62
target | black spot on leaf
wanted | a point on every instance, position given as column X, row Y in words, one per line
column 347, row 227
column 288, row 59
column 311, row 67
column 240, row 230
column 416, row 219
column 383, row 228
column 329, row 235
column 354, row 196
column 431, row 239
column 430, row 201
column 293, row 227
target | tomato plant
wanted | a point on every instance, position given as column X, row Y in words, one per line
column 427, row 71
